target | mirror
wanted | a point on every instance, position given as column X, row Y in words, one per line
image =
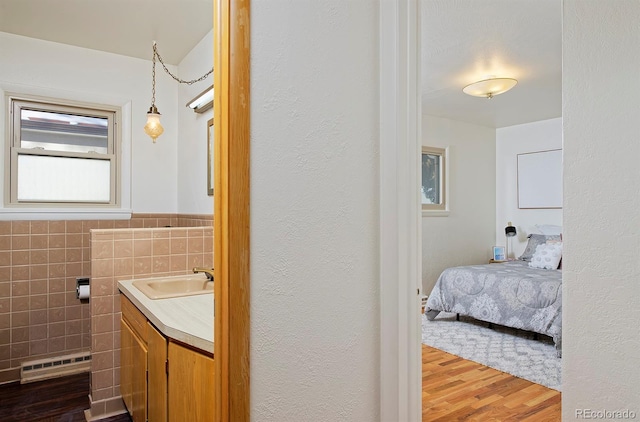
column 210, row 157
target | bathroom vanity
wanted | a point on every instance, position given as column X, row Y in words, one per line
column 166, row 360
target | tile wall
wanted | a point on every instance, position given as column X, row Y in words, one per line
column 125, row 254
column 39, row 261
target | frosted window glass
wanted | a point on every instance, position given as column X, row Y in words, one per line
column 62, row 179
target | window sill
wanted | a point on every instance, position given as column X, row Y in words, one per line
column 434, row 213
column 64, row 214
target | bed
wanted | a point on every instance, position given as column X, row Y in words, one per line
column 510, row 294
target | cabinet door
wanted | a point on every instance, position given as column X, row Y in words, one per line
column 191, row 393
column 139, row 380
column 157, row 383
column 133, row 373
column 126, row 365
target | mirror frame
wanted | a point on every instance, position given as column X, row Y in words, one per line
column 210, row 157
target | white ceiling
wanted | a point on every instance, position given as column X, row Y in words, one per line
column 462, row 41
column 126, row 27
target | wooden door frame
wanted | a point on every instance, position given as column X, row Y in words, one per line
column 231, row 54
column 399, row 221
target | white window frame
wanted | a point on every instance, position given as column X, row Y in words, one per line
column 16, row 102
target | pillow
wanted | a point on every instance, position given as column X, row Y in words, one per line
column 549, row 229
column 547, row 256
column 534, row 241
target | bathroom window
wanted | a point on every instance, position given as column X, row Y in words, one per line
column 62, row 153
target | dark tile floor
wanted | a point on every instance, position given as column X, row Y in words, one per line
column 56, row 400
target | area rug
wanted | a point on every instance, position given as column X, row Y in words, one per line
column 509, row 350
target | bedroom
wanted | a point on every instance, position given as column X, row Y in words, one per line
column 483, row 137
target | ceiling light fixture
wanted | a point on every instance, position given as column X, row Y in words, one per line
column 154, row 128
column 488, row 88
column 203, row 101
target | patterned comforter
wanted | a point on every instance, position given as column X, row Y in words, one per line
column 510, row 294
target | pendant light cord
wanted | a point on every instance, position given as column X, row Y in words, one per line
column 153, row 78
column 182, row 81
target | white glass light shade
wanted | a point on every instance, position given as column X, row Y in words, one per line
column 153, row 128
column 488, row 88
column 203, row 102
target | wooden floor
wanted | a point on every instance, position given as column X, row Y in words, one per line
column 455, row 389
column 56, row 400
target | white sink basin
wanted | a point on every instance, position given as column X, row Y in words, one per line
column 174, row 286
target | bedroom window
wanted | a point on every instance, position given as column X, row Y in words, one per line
column 433, row 188
column 62, row 153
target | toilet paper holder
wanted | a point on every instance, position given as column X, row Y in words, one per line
column 82, row 288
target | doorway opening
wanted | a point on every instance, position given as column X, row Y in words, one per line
column 461, row 43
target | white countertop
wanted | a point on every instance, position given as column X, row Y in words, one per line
column 188, row 319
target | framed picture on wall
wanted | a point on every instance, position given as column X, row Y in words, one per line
column 540, row 179
column 499, row 253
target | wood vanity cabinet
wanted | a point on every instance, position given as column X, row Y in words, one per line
column 160, row 379
column 191, row 393
column 133, row 360
column 157, row 376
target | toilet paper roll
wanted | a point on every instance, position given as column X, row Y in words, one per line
column 83, row 292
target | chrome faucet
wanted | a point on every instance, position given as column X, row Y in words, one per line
column 208, row 272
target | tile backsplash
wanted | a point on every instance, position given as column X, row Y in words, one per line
column 125, row 254
column 39, row 261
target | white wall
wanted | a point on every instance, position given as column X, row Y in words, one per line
column 314, row 211
column 466, row 235
column 63, row 71
column 601, row 268
column 510, row 141
column 192, row 138
column 314, row 297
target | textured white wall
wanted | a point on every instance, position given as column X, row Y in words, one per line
column 59, row 70
column 511, row 141
column 601, row 268
column 314, row 211
column 466, row 235
column 192, row 136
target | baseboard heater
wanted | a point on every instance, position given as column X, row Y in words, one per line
column 41, row 369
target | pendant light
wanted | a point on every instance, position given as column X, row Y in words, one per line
column 154, row 128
